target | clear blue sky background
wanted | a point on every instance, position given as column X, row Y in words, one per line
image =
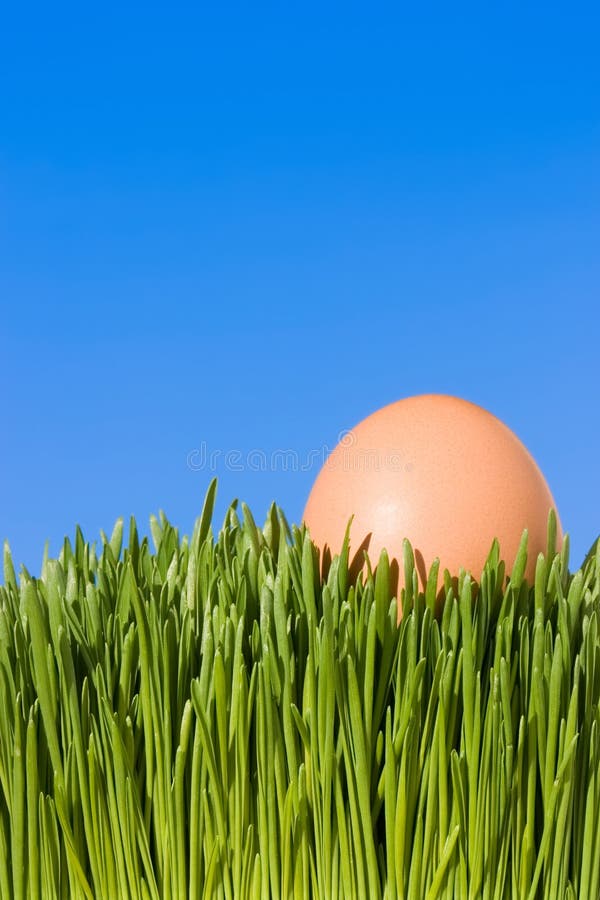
column 251, row 226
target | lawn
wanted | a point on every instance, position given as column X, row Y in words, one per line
column 209, row 717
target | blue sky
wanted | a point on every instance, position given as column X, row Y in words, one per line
column 244, row 228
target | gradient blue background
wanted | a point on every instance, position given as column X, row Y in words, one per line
column 251, row 226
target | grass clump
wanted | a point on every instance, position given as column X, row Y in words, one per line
column 211, row 719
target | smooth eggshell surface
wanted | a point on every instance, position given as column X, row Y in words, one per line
column 441, row 471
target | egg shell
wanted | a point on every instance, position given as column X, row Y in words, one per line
column 441, row 471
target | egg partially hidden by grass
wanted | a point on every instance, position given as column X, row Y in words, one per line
column 440, row 471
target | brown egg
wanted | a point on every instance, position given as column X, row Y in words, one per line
column 441, row 471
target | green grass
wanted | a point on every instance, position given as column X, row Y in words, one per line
column 209, row 719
